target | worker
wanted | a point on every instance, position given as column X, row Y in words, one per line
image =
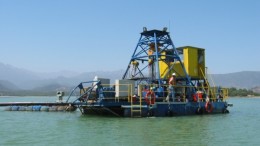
column 172, row 82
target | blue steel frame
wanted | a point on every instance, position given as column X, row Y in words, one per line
column 80, row 86
column 141, row 55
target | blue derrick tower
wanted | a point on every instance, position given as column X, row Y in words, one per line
column 154, row 48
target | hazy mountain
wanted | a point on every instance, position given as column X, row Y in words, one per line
column 87, row 76
column 16, row 75
column 17, row 78
column 26, row 79
column 7, row 86
column 256, row 89
column 19, row 74
column 53, row 87
column 64, row 73
column 244, row 79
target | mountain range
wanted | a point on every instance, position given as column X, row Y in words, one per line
column 244, row 79
column 14, row 79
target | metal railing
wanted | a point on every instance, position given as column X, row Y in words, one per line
column 184, row 93
column 181, row 93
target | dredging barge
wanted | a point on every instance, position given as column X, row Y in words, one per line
column 160, row 80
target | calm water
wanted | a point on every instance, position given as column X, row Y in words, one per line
column 240, row 127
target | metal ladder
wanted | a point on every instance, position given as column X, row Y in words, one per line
column 207, row 82
column 136, row 108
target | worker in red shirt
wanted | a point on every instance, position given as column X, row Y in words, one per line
column 172, row 82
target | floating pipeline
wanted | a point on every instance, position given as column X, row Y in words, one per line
column 39, row 106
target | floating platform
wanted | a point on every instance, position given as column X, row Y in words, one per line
column 158, row 109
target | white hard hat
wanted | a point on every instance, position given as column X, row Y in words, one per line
column 173, row 74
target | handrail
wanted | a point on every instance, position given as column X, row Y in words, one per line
column 207, row 82
column 181, row 92
column 127, row 92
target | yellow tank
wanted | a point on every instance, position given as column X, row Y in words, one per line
column 193, row 60
column 164, row 68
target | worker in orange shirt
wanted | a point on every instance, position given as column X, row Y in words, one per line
column 171, row 92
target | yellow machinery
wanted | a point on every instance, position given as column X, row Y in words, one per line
column 193, row 59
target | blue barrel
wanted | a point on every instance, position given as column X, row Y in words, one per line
column 15, row 108
column 29, row 108
column 9, row 108
column 53, row 109
column 45, row 108
column 36, row 108
column 22, row 108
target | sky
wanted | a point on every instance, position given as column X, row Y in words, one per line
column 86, row 36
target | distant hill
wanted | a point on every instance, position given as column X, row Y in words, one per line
column 244, row 79
column 7, row 86
column 16, row 75
column 22, row 82
column 52, row 87
column 16, row 79
column 26, row 79
column 256, row 89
